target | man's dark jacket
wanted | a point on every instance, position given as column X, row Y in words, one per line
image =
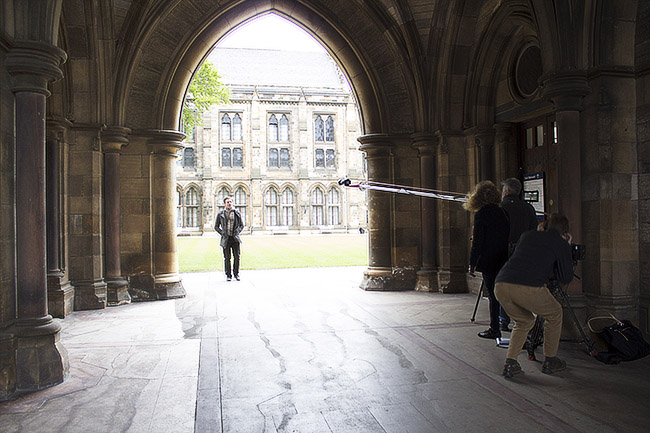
column 490, row 239
column 539, row 257
column 521, row 216
column 220, row 226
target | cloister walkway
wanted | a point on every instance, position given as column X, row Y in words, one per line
column 305, row 350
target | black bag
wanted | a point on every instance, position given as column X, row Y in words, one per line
column 625, row 342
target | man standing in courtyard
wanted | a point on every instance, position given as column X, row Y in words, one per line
column 229, row 224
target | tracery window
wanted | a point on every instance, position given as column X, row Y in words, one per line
column 287, row 207
column 271, row 205
column 221, row 195
column 179, row 208
column 317, row 205
column 319, row 131
column 240, row 203
column 333, row 207
column 225, row 127
column 273, row 128
column 191, row 207
column 329, row 129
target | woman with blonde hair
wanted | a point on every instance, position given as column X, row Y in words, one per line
column 489, row 244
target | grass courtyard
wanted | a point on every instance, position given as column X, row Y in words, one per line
column 275, row 252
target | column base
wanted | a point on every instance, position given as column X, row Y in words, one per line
column 60, row 295
column 388, row 279
column 427, row 281
column 452, row 281
column 90, row 295
column 169, row 286
column 41, row 360
column 117, row 291
column 156, row 287
column 7, row 366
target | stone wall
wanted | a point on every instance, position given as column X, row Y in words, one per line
column 642, row 65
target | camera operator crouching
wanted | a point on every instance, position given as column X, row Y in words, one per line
column 521, row 288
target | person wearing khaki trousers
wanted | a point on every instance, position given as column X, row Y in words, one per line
column 521, row 288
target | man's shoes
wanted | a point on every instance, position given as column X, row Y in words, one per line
column 511, row 368
column 228, row 278
column 490, row 333
column 504, row 327
column 237, row 277
column 553, row 365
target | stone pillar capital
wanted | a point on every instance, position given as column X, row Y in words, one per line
column 33, row 65
column 165, row 142
column 376, row 145
column 57, row 128
column 566, row 90
column 114, row 138
column 425, row 142
column 483, row 136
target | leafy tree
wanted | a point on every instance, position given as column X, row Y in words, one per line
column 205, row 90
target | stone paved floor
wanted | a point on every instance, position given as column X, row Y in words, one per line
column 307, row 351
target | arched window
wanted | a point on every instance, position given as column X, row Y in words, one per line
column 191, row 208
column 317, row 203
column 319, row 134
column 179, row 208
column 236, row 128
column 287, row 207
column 271, row 204
column 284, row 128
column 329, row 129
column 333, row 207
column 188, row 157
column 240, row 203
column 273, row 128
column 221, row 195
column 226, row 133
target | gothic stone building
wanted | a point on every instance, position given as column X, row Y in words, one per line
column 278, row 148
column 449, row 92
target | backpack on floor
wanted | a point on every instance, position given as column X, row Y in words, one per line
column 625, row 341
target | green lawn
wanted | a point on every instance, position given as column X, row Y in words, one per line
column 274, row 252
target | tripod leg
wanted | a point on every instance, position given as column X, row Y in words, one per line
column 478, row 298
column 585, row 339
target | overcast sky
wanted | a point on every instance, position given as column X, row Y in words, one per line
column 271, row 32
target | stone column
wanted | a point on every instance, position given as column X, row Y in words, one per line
column 567, row 92
column 113, row 138
column 506, row 151
column 484, row 139
column 60, row 293
column 454, row 229
column 166, row 280
column 427, row 276
column 378, row 276
column 40, row 360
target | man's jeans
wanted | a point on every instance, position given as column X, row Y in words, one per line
column 231, row 246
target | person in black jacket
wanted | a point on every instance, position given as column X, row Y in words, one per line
column 229, row 224
column 489, row 244
column 522, row 218
column 521, row 287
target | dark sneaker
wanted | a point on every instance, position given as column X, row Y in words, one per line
column 504, row 327
column 228, row 278
column 237, row 277
column 511, row 368
column 553, row 365
column 489, row 333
